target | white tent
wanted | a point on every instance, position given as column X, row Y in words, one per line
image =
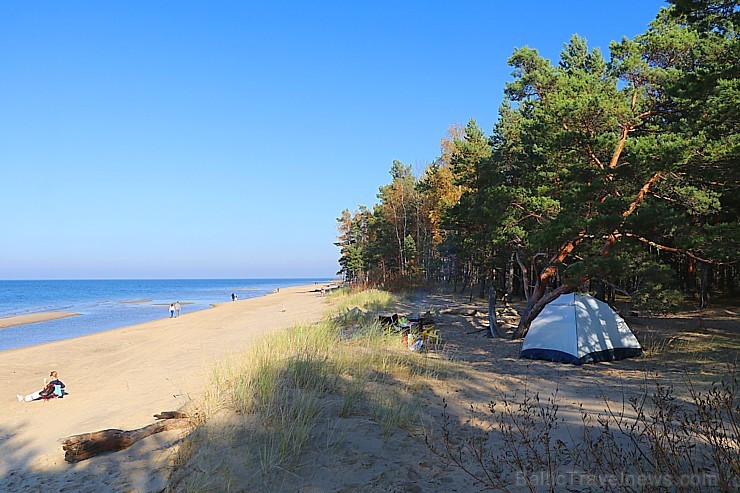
column 577, row 329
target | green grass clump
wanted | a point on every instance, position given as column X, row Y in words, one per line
column 370, row 299
column 394, row 410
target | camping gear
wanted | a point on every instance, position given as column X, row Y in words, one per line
column 431, row 335
column 576, row 328
column 414, row 342
column 414, row 330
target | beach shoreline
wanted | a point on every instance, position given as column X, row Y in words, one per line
column 120, row 378
column 33, row 318
column 29, row 310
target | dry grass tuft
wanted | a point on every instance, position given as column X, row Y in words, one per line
column 289, row 391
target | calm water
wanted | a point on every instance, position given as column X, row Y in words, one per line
column 107, row 305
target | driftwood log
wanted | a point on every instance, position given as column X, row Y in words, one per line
column 81, row 447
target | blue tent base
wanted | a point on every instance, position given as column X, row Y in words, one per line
column 599, row 356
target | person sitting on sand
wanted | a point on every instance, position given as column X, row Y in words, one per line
column 53, row 388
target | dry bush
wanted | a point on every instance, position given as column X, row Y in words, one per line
column 651, row 442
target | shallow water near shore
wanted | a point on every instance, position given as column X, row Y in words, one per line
column 111, row 304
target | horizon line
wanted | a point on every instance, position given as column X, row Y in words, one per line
column 173, row 278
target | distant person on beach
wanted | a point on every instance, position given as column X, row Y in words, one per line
column 51, row 389
column 172, row 310
column 233, row 297
column 177, row 309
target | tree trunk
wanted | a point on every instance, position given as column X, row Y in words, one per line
column 472, row 287
column 454, row 273
column 535, row 306
column 600, row 291
column 730, row 273
column 510, row 277
column 691, row 275
column 81, row 447
column 704, row 288
column 525, row 275
column 466, row 278
column 492, row 320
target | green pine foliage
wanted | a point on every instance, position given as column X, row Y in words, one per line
column 617, row 174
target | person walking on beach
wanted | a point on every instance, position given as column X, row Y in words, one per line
column 172, row 310
column 177, row 309
column 233, row 297
column 53, row 388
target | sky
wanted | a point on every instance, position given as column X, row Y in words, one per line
column 184, row 139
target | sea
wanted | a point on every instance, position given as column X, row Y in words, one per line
column 112, row 304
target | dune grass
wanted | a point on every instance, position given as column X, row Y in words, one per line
column 368, row 299
column 292, row 389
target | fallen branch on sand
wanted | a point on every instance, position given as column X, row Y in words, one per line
column 81, row 447
column 459, row 311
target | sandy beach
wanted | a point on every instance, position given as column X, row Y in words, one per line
column 353, row 453
column 119, row 379
column 33, row 318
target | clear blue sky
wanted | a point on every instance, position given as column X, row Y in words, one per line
column 181, row 139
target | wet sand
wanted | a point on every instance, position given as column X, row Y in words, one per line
column 33, row 318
